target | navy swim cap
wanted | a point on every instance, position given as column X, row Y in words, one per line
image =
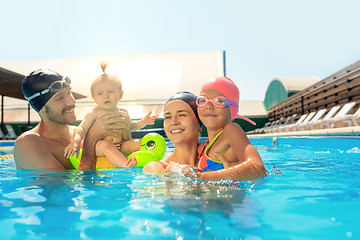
column 40, row 85
column 189, row 98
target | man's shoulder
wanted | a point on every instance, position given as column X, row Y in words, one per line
column 28, row 145
column 33, row 151
column 30, row 137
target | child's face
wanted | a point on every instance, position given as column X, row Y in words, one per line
column 106, row 94
column 211, row 116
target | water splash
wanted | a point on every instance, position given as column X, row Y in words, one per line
column 188, row 175
column 353, row 150
column 274, row 171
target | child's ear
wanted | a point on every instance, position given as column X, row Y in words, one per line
column 121, row 94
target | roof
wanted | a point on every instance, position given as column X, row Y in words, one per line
column 295, row 84
column 280, row 89
column 252, row 109
column 10, row 83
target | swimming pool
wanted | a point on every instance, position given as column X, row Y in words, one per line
column 317, row 196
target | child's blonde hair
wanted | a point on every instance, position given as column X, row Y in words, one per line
column 106, row 77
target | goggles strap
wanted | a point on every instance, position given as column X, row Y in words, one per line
column 64, row 80
column 246, row 119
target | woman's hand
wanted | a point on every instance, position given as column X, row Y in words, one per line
column 214, row 175
column 222, row 159
column 246, row 170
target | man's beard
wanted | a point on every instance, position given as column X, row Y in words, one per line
column 57, row 118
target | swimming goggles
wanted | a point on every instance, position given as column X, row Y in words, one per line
column 53, row 87
column 219, row 101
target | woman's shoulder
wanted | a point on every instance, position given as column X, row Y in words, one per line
column 155, row 167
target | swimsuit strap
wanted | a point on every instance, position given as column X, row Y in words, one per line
column 211, row 143
column 164, row 165
column 202, row 149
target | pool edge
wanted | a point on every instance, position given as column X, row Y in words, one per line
column 330, row 132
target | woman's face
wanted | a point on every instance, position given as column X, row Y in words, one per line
column 180, row 122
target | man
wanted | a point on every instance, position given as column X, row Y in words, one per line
column 42, row 147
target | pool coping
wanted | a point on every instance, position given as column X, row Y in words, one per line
column 344, row 131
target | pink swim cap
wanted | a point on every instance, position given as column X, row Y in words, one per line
column 229, row 89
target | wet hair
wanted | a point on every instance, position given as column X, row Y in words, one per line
column 106, row 77
column 36, row 82
column 189, row 98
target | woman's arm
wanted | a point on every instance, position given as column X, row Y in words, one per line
column 243, row 171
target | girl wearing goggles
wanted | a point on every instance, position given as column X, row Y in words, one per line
column 218, row 101
column 227, row 149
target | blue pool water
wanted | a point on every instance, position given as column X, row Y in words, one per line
column 317, row 196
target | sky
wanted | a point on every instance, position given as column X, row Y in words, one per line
column 263, row 39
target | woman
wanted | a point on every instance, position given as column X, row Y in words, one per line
column 182, row 127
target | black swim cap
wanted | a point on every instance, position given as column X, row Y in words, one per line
column 189, row 98
column 38, row 87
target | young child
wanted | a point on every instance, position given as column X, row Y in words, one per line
column 227, row 147
column 106, row 90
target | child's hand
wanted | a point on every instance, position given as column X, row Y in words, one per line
column 222, row 159
column 150, row 119
column 71, row 149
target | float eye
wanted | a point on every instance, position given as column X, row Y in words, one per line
column 150, row 145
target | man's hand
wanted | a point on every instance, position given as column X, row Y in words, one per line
column 111, row 124
column 107, row 124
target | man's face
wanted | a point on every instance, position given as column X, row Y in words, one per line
column 60, row 108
